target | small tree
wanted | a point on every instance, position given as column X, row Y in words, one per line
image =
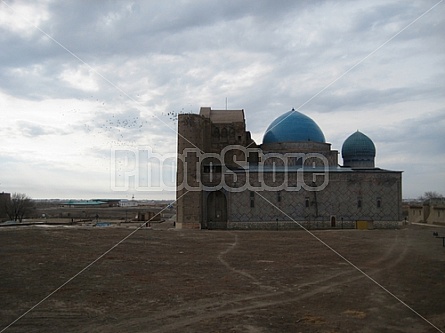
column 430, row 195
column 18, row 206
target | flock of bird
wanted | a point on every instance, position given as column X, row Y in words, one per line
column 129, row 127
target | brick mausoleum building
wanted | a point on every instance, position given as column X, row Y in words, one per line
column 226, row 181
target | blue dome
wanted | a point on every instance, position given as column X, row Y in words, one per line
column 293, row 126
column 358, row 145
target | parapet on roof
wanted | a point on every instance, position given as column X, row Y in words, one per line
column 222, row 116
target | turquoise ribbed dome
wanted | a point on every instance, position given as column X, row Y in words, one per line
column 358, row 145
column 293, row 126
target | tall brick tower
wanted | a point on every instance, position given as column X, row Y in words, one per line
column 207, row 133
column 191, row 130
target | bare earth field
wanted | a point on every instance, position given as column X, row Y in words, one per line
column 221, row 281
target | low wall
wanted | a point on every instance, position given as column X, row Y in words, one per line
column 387, row 224
column 299, row 225
column 289, row 225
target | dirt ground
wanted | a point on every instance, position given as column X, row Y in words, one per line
column 221, row 281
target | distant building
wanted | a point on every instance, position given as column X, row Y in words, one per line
column 431, row 211
column 83, row 204
column 128, row 203
column 148, row 216
column 4, row 200
column 226, row 181
column 109, row 202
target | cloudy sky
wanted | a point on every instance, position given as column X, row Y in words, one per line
column 85, row 86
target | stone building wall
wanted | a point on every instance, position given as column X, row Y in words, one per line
column 349, row 196
column 415, row 214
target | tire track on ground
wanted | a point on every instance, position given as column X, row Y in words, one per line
column 186, row 315
column 260, row 301
column 238, row 271
column 256, row 303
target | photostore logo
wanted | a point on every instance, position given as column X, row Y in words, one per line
column 235, row 169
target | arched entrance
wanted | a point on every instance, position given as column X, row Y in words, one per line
column 217, row 210
column 333, row 220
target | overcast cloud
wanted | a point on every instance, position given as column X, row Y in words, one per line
column 80, row 80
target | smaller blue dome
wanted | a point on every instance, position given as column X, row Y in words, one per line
column 293, row 126
column 358, row 145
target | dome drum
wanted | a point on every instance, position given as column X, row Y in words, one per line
column 301, row 147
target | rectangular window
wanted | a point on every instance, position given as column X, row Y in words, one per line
column 306, row 202
column 359, row 203
column 279, row 196
column 379, row 203
column 252, row 199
